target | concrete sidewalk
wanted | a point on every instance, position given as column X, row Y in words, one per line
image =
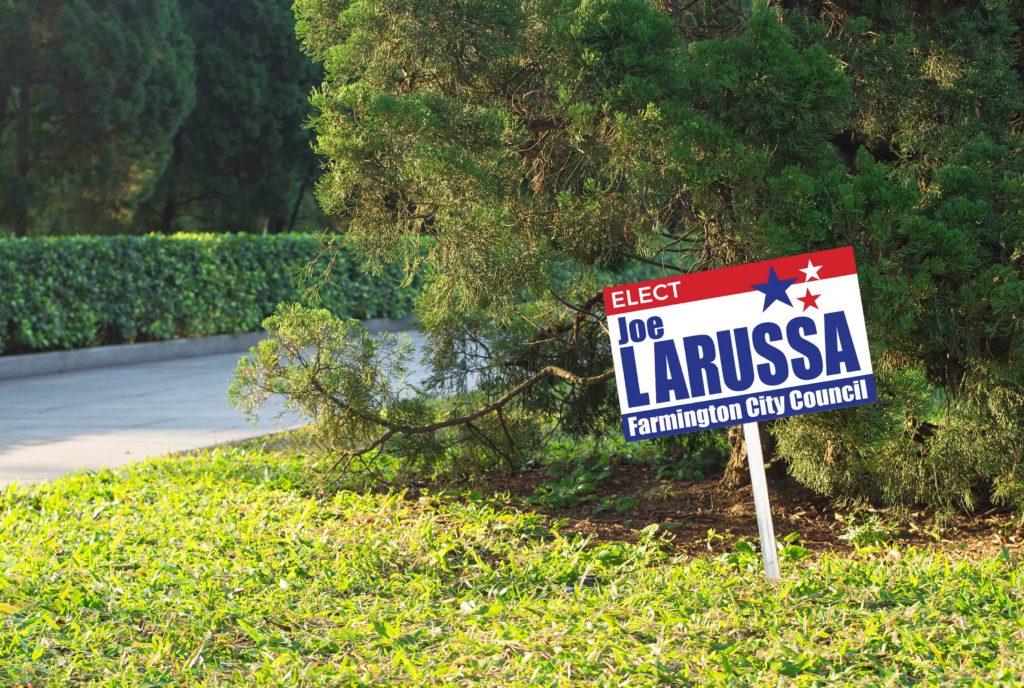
column 53, row 424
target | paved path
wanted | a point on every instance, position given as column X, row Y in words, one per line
column 53, row 424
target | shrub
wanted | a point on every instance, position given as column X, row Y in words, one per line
column 74, row 291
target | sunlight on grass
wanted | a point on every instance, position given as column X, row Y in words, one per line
column 223, row 569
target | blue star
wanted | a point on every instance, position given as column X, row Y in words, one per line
column 774, row 289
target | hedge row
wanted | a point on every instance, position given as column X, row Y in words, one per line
column 75, row 291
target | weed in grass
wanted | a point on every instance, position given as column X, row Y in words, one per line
column 571, row 483
column 791, row 550
column 620, row 505
column 663, row 491
column 867, row 531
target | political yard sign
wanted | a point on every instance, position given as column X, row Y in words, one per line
column 739, row 345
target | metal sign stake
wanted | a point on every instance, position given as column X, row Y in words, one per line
column 759, row 485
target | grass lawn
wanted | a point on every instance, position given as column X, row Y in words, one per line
column 223, row 569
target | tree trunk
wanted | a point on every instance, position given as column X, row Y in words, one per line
column 275, row 224
column 298, row 202
column 168, row 213
column 22, row 151
column 737, row 473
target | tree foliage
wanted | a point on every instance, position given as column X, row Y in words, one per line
column 159, row 114
column 90, row 95
column 242, row 160
column 519, row 155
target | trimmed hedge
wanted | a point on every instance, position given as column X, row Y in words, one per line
column 74, row 291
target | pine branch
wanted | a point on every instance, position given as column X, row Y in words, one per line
column 391, row 430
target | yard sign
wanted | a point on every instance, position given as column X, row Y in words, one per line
column 739, row 345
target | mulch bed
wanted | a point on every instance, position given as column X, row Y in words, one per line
column 688, row 510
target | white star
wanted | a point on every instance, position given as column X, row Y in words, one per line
column 811, row 271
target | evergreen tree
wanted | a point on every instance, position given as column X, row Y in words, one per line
column 518, row 156
column 91, row 94
column 932, row 202
column 242, row 160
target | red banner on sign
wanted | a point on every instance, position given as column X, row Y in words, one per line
column 667, row 291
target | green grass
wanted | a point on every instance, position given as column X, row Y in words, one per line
column 223, row 569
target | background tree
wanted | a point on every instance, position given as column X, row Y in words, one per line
column 242, row 160
column 163, row 114
column 518, row 156
column 91, row 94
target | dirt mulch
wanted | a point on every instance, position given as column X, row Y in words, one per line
column 690, row 509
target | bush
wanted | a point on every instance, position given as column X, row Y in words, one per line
column 75, row 291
